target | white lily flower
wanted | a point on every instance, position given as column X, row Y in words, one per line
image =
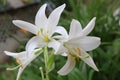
column 44, row 29
column 76, row 44
column 22, row 59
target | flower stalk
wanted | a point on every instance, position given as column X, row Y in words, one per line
column 46, row 60
column 42, row 74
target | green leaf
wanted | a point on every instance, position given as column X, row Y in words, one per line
column 38, row 51
column 76, row 75
column 90, row 75
column 50, row 62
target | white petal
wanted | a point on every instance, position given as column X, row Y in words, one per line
column 70, row 64
column 89, row 27
column 62, row 31
column 55, row 16
column 64, row 54
column 59, row 37
column 62, row 50
column 33, row 43
column 25, row 64
column 15, row 55
column 40, row 19
column 75, row 29
column 88, row 60
column 89, row 43
column 26, row 26
column 55, row 45
column 86, row 43
column 20, row 72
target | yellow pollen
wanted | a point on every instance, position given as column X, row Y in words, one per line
column 19, row 62
column 79, row 52
column 74, row 49
column 46, row 38
column 23, row 31
column 39, row 32
column 72, row 55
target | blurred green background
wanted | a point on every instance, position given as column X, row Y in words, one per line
column 106, row 57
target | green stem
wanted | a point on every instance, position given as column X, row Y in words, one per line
column 42, row 74
column 46, row 56
column 46, row 60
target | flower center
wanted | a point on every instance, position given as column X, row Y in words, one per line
column 75, row 52
column 44, row 35
column 40, row 31
column 46, row 39
column 19, row 62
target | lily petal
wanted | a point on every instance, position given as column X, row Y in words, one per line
column 86, row 43
column 70, row 64
column 88, row 60
column 89, row 27
column 62, row 50
column 26, row 26
column 40, row 19
column 54, row 17
column 55, row 45
column 26, row 62
column 34, row 43
column 64, row 54
column 20, row 72
column 15, row 55
column 89, row 43
column 75, row 29
column 62, row 31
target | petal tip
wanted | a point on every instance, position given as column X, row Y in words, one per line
column 15, row 21
column 98, row 38
column 45, row 5
column 94, row 18
column 74, row 20
column 6, row 52
column 97, row 69
column 64, row 5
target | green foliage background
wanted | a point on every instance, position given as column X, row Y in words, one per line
column 106, row 57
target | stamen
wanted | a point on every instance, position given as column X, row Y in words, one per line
column 13, row 68
column 72, row 55
column 75, row 49
column 19, row 62
column 46, row 38
column 79, row 52
column 23, row 31
column 38, row 51
column 39, row 32
column 85, row 56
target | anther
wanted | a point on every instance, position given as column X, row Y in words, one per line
column 19, row 62
column 39, row 32
column 79, row 52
